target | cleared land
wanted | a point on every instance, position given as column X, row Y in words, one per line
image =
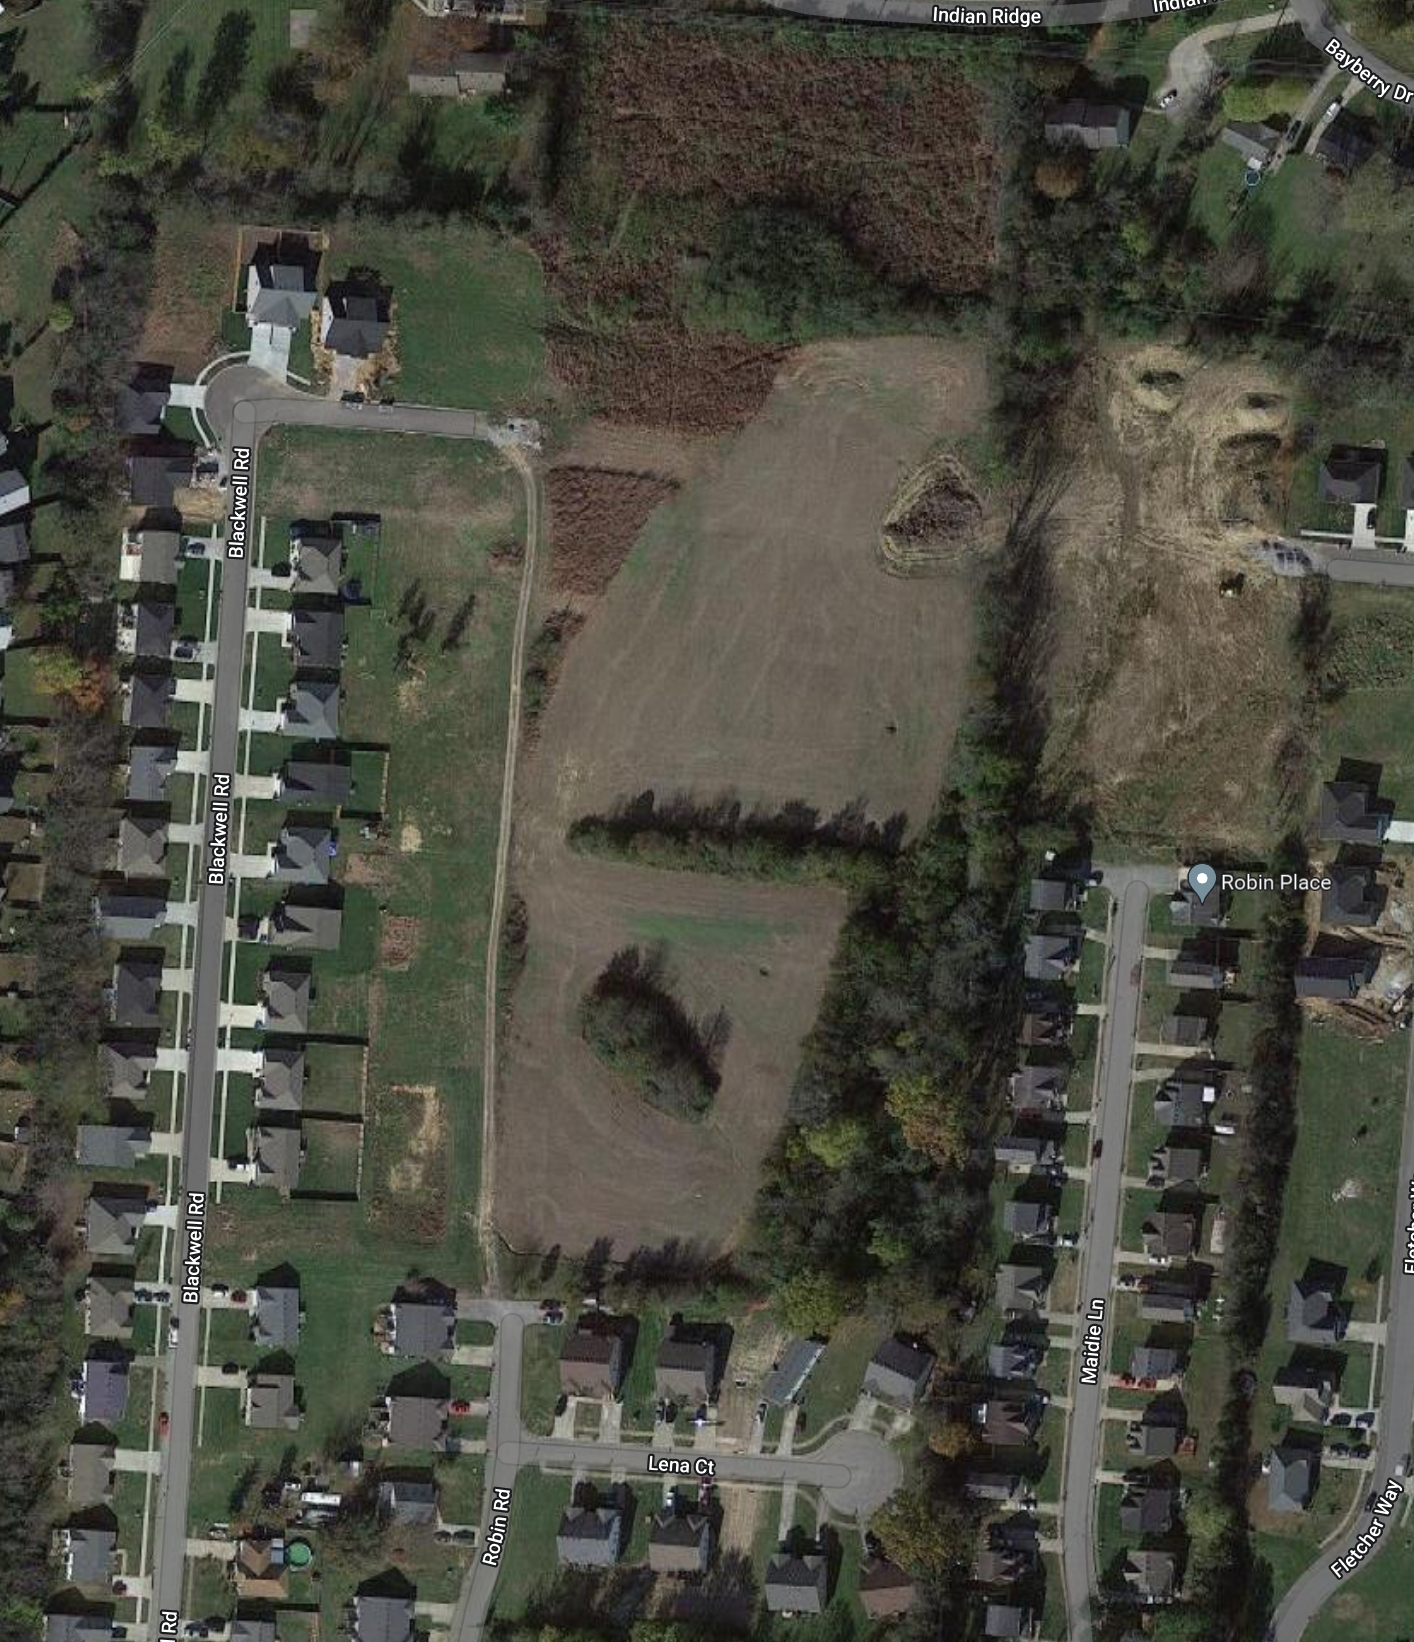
column 1170, row 701
column 751, row 643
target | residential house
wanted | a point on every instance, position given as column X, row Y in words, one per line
column 151, row 557
column 1188, row 910
column 1254, row 141
column 994, row 1487
column 686, row 1370
column 1177, row 1166
column 286, row 992
column 280, row 288
column 253, row 1628
column 1051, row 957
column 1305, row 1391
column 1343, row 146
column 112, row 1223
column 1186, row 1029
column 885, row 1590
column 899, row 1371
column 1167, row 1302
column 310, row 711
column 1016, row 1358
column 87, row 1555
column 14, row 556
column 1088, row 125
column 1007, row 1422
column 1029, row 1220
column 308, row 780
column 797, row 1583
column 355, row 320
column 1351, row 813
column 297, row 925
column 416, row 1420
column 1354, row 899
column 424, row 1321
column 276, row 1314
column 149, row 768
column 463, row 74
column 1025, row 1152
column 1043, row 1027
column 1037, row 1088
column 1021, row 1289
column 127, row 914
column 679, row 1542
column 14, row 492
column 317, row 559
column 261, row 1569
column 157, row 469
column 125, row 1068
column 1006, row 1619
column 1154, row 1362
column 1150, row 1575
column 1191, row 971
column 1147, row 1507
column 302, row 853
column 279, row 1085
column 142, row 846
column 137, row 990
column 1054, row 895
column 271, row 1403
column 316, row 636
column 793, row 1368
column 111, row 1145
column 589, row 1536
column 1337, row 976
column 277, row 1153
column 91, row 1469
column 147, row 704
column 408, row 1501
column 78, row 1627
column 1168, row 1235
column 591, row 1361
column 1156, row 1434
column 384, row 1615
column 1314, row 1315
column 103, row 1387
column 1291, row 1478
column 1185, row 1101
column 143, row 399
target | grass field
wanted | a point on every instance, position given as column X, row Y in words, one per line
column 1370, row 720
column 408, row 970
column 1373, row 1602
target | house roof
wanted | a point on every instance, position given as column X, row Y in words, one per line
column 1343, row 145
column 1251, row 139
column 112, row 1223
column 1180, row 1103
column 1020, row 1287
column 1350, row 814
column 276, row 1153
column 318, row 563
column 1169, row 1234
column 111, row 1145
column 1146, row 1508
column 1329, row 977
column 356, row 321
column 317, row 635
column 1005, row 1619
column 271, row 1404
column 1052, row 894
column 108, row 1305
column 280, row 288
column 884, row 1588
column 129, row 915
column 312, row 710
column 424, row 1328
column 313, row 778
column 1092, row 125
column 1048, row 957
column 147, row 701
column 287, row 995
column 157, row 470
column 104, row 1396
column 157, row 556
column 92, row 1466
column 143, row 399
column 797, row 1583
column 679, row 1541
column 149, row 768
column 1026, row 1218
column 792, row 1370
column 78, row 1627
column 303, row 853
column 589, row 1535
column 14, row 491
column 1151, row 1573
column 137, row 990
column 14, row 544
column 1313, row 1314
column 88, row 1559
column 1037, row 1086
column 1291, row 1478
column 142, row 846
column 281, row 1085
column 899, row 1367
column 1353, row 897
column 124, row 1067
column 295, row 924
column 383, row 1618
column 277, row 1315
column 417, row 1422
column 1012, row 1359
column 1007, row 1421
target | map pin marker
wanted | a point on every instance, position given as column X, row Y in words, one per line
column 1201, row 880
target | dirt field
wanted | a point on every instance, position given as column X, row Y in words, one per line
column 581, row 1156
column 752, row 641
column 1170, row 701
column 193, row 276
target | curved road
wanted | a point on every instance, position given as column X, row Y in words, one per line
column 242, row 405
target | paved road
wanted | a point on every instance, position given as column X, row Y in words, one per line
column 242, row 405
column 1191, row 69
column 856, row 1469
column 1131, row 887
column 1301, row 1603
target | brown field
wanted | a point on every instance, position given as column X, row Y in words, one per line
column 192, row 280
column 672, row 128
column 752, row 641
column 1170, row 703
column 595, row 516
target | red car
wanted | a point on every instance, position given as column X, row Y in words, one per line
column 164, row 1423
column 461, row 1406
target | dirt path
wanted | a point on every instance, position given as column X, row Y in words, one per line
column 485, row 1197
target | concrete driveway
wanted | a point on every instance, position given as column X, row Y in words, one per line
column 270, row 350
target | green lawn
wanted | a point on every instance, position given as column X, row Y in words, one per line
column 1373, row 1602
column 833, row 1388
column 529, row 1557
column 1374, row 659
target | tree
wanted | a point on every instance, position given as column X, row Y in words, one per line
column 932, row 1120
column 1062, row 174
column 61, row 318
column 953, row 1439
column 923, row 1533
column 836, row 1141
column 812, row 1302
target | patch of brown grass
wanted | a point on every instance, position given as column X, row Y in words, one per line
column 398, row 941
column 595, row 516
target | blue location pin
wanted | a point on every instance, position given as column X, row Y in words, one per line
column 1202, row 880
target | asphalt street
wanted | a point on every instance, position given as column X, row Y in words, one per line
column 1131, row 888
column 242, row 405
column 1310, row 1592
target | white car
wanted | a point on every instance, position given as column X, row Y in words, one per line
column 1168, row 97
column 1334, row 109
column 173, row 1329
